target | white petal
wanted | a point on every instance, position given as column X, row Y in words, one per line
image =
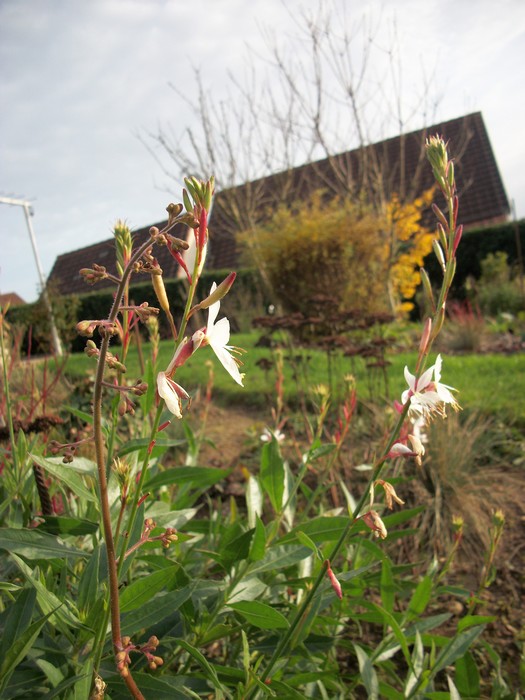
column 444, row 394
column 425, row 379
column 213, row 311
column 437, row 369
column 228, row 363
column 401, row 450
column 166, row 392
column 410, row 379
column 220, row 334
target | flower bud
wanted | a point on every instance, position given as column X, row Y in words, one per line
column 173, row 211
column 425, row 279
column 91, row 349
column 187, row 202
column 218, row 293
column 423, row 344
column 439, row 254
column 333, row 580
column 160, row 291
column 86, row 328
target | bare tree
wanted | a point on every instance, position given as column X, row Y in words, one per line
column 322, row 96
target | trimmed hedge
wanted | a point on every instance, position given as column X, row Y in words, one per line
column 247, row 292
column 96, row 305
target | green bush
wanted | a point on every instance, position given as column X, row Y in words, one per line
column 318, row 248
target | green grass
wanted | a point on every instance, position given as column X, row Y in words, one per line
column 491, row 384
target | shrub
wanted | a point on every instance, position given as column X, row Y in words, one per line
column 496, row 291
column 315, row 248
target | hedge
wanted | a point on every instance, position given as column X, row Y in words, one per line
column 96, row 305
column 247, row 292
column 474, row 247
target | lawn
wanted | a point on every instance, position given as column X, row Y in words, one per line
column 492, row 384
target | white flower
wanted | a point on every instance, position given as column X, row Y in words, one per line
column 172, row 393
column 268, row 434
column 427, row 396
column 218, row 335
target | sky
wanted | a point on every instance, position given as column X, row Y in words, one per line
column 83, row 83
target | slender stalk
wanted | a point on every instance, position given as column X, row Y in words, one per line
column 114, row 607
column 378, row 468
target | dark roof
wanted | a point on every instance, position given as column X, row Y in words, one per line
column 65, row 273
column 396, row 165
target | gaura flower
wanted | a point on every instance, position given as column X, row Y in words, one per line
column 374, row 522
column 417, row 449
column 390, row 494
column 267, row 435
column 172, row 393
column 217, row 335
column 428, row 396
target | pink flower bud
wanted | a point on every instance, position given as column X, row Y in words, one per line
column 333, row 581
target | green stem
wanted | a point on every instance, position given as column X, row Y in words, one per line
column 379, row 466
column 114, row 607
column 7, row 393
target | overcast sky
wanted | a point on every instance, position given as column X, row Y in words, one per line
column 79, row 80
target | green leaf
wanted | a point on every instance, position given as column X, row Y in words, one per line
column 420, row 598
column 467, row 677
column 318, row 452
column 471, row 620
column 139, row 592
column 401, row 516
column 272, row 473
column 387, row 586
column 66, row 525
column 33, row 544
column 397, row 631
column 62, row 472
column 19, row 649
column 260, row 615
column 53, row 674
column 368, row 674
column 138, row 444
column 254, row 500
column 18, row 619
column 280, row 557
column 308, row 542
column 210, row 672
column 88, row 584
column 454, row 694
column 235, row 548
column 258, row 545
column 456, row 648
column 63, row 612
column 321, row 529
column 154, row 611
column 199, row 477
column 81, row 415
column 247, row 589
column 158, row 687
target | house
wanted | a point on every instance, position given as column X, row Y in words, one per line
column 396, row 165
column 11, row 299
